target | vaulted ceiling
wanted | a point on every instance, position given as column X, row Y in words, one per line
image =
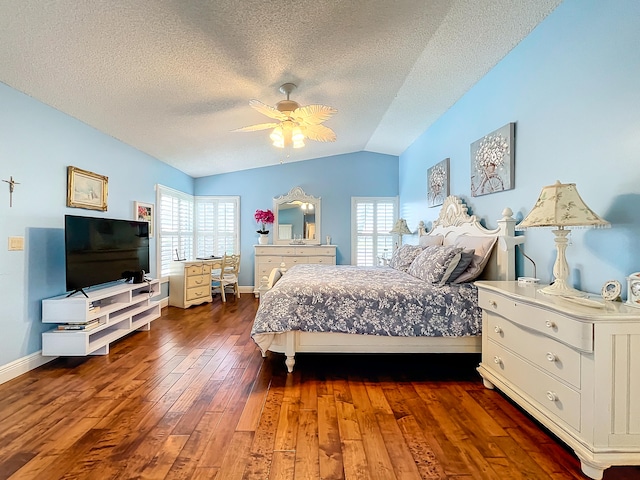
column 173, row 78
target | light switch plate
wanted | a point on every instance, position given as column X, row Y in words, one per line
column 16, row 243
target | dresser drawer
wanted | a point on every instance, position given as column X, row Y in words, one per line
column 194, row 270
column 551, row 394
column 316, row 251
column 198, row 281
column 547, row 322
column 198, row 292
column 322, row 260
column 270, row 259
column 296, row 261
column 543, row 351
column 265, row 268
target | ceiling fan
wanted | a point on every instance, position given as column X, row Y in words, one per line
column 295, row 123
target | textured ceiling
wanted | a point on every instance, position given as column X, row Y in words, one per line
column 172, row 78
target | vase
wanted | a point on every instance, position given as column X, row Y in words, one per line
column 263, row 239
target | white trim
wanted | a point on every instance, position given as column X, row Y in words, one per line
column 23, row 365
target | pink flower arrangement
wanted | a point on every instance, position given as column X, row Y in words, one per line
column 264, row 217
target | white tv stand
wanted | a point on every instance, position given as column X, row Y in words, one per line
column 123, row 309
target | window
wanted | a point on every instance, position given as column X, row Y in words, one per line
column 175, row 227
column 191, row 227
column 217, row 226
column 371, row 220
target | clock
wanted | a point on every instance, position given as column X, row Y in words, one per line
column 633, row 290
column 611, row 290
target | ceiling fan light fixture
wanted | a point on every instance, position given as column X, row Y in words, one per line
column 298, row 137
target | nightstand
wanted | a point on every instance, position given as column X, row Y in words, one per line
column 574, row 368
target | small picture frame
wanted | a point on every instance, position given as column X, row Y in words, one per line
column 145, row 212
column 86, row 189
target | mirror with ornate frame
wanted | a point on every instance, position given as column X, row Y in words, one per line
column 297, row 218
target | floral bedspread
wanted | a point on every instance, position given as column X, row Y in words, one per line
column 366, row 300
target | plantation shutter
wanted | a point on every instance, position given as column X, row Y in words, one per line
column 175, row 227
column 372, row 219
column 217, row 226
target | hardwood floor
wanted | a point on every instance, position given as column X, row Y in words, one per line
column 193, row 399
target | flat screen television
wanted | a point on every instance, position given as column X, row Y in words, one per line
column 103, row 250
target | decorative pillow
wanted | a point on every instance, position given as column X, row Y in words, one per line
column 432, row 264
column 466, row 256
column 482, row 247
column 430, row 240
column 404, row 256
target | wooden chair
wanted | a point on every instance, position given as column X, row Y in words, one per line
column 227, row 276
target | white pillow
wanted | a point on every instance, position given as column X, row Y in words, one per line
column 482, row 247
column 430, row 240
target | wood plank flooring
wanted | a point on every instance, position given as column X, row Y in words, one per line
column 193, row 399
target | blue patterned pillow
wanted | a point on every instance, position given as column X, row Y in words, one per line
column 404, row 256
column 434, row 263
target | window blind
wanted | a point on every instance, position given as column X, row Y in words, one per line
column 217, row 225
column 372, row 218
column 175, row 227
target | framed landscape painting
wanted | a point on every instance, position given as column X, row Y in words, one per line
column 86, row 189
column 438, row 183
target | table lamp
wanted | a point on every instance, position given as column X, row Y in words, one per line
column 400, row 228
column 560, row 206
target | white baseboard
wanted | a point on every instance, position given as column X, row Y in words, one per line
column 22, row 365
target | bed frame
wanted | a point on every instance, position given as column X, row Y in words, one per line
column 453, row 221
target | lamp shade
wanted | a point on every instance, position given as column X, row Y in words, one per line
column 401, row 227
column 560, row 205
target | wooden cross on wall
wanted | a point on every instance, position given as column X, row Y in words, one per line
column 12, row 183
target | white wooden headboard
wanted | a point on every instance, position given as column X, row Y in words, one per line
column 454, row 221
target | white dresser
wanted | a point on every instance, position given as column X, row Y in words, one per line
column 575, row 368
column 190, row 283
column 268, row 257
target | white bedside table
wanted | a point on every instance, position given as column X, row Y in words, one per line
column 575, row 368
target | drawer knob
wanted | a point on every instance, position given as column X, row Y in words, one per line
column 550, row 324
column 199, row 281
column 552, row 357
column 497, row 329
column 493, row 303
column 497, row 360
column 552, row 396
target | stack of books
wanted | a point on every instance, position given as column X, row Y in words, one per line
column 94, row 307
column 79, row 326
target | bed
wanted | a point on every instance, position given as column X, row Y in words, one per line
column 404, row 309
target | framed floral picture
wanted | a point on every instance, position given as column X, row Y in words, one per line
column 492, row 162
column 144, row 212
column 438, row 183
column 86, row 189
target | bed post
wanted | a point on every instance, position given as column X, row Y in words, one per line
column 290, row 350
column 507, row 241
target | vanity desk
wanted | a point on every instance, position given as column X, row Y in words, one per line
column 574, row 368
column 190, row 282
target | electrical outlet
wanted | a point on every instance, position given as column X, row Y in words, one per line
column 16, row 243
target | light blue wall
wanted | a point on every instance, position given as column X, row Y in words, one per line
column 37, row 143
column 573, row 88
column 335, row 179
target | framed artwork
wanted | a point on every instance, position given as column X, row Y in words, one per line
column 438, row 183
column 145, row 212
column 492, row 162
column 86, row 189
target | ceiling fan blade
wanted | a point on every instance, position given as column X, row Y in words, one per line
column 255, row 128
column 319, row 133
column 267, row 110
column 313, row 114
